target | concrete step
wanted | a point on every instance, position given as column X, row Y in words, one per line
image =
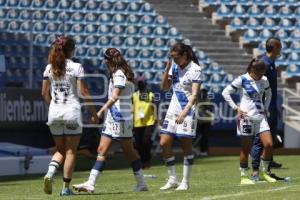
column 216, row 44
column 225, row 55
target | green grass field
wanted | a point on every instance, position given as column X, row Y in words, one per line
column 212, row 178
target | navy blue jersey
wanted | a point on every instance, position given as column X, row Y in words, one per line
column 271, row 74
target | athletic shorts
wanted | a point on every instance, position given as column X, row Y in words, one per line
column 186, row 129
column 64, row 120
column 246, row 127
column 118, row 130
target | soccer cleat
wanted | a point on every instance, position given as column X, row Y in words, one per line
column 245, row 180
column 48, row 184
column 255, row 177
column 182, row 186
column 170, row 184
column 267, row 177
column 275, row 165
column 141, row 188
column 66, row 192
column 84, row 187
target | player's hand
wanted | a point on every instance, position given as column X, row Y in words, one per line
column 100, row 114
column 241, row 113
column 95, row 119
column 180, row 118
column 168, row 66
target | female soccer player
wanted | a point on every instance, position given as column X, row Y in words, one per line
column 183, row 73
column 64, row 77
column 118, row 122
column 252, row 115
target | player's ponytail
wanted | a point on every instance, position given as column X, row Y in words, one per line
column 61, row 49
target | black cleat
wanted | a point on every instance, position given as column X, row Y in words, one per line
column 276, row 177
column 275, row 165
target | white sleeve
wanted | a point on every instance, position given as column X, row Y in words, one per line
column 119, row 79
column 46, row 73
column 80, row 72
column 230, row 89
column 170, row 73
column 268, row 95
column 196, row 75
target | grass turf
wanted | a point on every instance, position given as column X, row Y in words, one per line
column 212, row 178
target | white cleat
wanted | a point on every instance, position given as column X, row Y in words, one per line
column 182, row 186
column 84, row 187
column 141, row 188
column 170, row 185
column 48, row 184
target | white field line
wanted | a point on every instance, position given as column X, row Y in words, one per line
column 245, row 193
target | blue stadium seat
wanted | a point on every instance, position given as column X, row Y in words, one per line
column 77, row 29
column 2, row 3
column 37, row 4
column 172, row 41
column 270, row 24
column 134, row 64
column 295, row 35
column 270, row 12
column 214, row 88
column 77, row 5
column 91, row 40
column 64, row 5
column 144, row 43
column 147, row 9
column 119, row 7
column 214, row 68
column 106, row 6
column 146, row 20
column 202, row 57
column 92, row 6
column 131, row 53
column 132, row 19
column 104, row 18
column 159, row 65
column 104, row 41
column 294, row 58
column 133, row 7
column 275, row 2
column 76, row 17
column 52, row 27
column 224, row 12
column 174, row 33
column 297, row 13
column 286, row 24
column 119, row 19
column 90, row 29
column 254, row 11
column 265, row 34
column 118, row 29
column 293, row 70
column 93, row 52
column 292, row 3
column 14, row 26
column 145, row 54
column 215, row 78
column 12, row 3
column 91, row 18
column 160, row 54
column 104, row 29
column 253, row 23
column 3, row 14
column 238, row 11
column 250, row 36
column 132, row 30
column 161, row 21
column 285, row 12
column 228, row 78
column 38, row 15
column 51, row 16
column 228, row 2
column 80, row 51
column 13, row 14
column 117, row 41
column 243, row 2
column 25, row 27
column 259, row 2
column 295, row 46
column 131, row 41
column 40, row 39
column 157, row 77
column 282, row 35
column 64, row 28
column 159, row 43
column 282, row 61
column 51, row 4
column 237, row 24
column 160, row 32
column 24, row 15
column 146, row 31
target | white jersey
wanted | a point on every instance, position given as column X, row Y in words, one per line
column 122, row 109
column 64, row 91
column 182, row 80
column 251, row 95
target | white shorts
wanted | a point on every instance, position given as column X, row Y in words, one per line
column 186, row 129
column 118, row 130
column 246, row 127
column 64, row 120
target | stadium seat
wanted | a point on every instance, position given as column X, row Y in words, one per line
column 250, row 36
column 105, row 6
column 51, row 4
column 270, row 24
column 291, row 3
column 2, row 3
column 215, row 88
column 80, row 51
column 131, row 30
column 91, row 40
column 131, row 41
column 119, row 7
column 265, row 34
column 282, row 35
column 293, row 58
column 77, row 5
column 3, row 14
column 293, row 70
column 228, row 78
column 145, row 65
column 145, row 54
column 286, row 24
column 146, row 20
column 93, row 52
column 38, row 15
column 295, row 35
column 259, row 2
column 40, row 39
column 12, row 3
column 52, row 27
column 14, row 26
column 147, row 9
column 104, row 29
column 104, row 41
column 160, row 54
column 134, row 63
column 275, row 2
column 64, row 5
column 160, row 32
column 104, row 18
column 37, row 4
column 90, row 29
column 13, row 14
column 285, row 12
column 118, row 29
column 214, row 68
column 270, row 12
column 215, row 78
column 76, row 17
column 133, row 7
column 237, row 24
column 77, row 29
column 144, row 43
column 223, row 12
column 51, row 16
column 91, row 18
column 119, row 19
column 295, row 46
column 202, row 57
column 132, row 20
column 253, row 23
column 161, row 21
column 117, row 41
column 50, row 39
column 159, row 43
column 174, row 33
column 146, row 31
column 254, row 11
column 238, row 11
column 25, row 27
column 131, row 53
column 157, row 77
column 24, row 15
column 92, row 5
column 282, row 61
column 3, row 25
column 159, row 65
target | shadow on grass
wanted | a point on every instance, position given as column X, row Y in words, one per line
column 99, row 193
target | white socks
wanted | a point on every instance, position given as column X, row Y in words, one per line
column 93, row 177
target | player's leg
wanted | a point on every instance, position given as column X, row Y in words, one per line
column 246, row 143
column 138, row 138
column 135, row 162
column 188, row 160
column 256, row 152
column 89, row 186
column 147, row 143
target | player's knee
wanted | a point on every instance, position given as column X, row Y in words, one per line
column 268, row 145
column 164, row 144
